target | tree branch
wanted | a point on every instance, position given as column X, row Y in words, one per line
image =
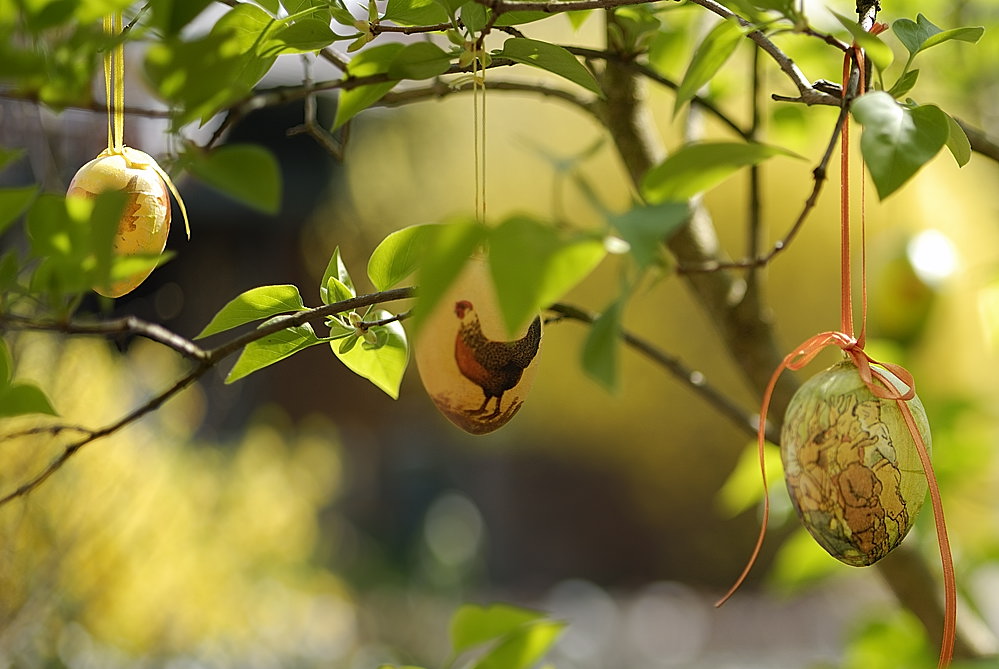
column 205, row 359
column 808, row 94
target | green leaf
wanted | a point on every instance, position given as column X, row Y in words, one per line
column 445, row 252
column 647, row 228
column 172, row 15
column 372, row 61
column 8, row 156
column 415, row 12
column 600, row 350
column 698, row 167
column 921, row 34
column 904, row 84
column 14, row 202
column 272, row 348
column 206, row 74
column 398, row 255
column 473, row 625
column 24, row 398
column 966, row 34
column 6, row 365
column 247, row 172
column 897, row 141
column 254, row 305
column 337, row 285
column 533, row 265
column 105, row 217
column 876, row 50
column 306, row 35
column 549, row 57
column 912, row 34
column 743, row 489
column 717, row 47
column 473, row 15
column 578, row 18
column 385, row 365
column 419, row 60
column 520, row 18
column 958, row 142
column 522, row 648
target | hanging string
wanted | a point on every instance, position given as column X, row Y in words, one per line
column 479, row 127
column 114, row 83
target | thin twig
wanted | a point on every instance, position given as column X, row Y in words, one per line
column 440, row 89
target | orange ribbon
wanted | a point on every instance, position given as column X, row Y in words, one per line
column 876, row 381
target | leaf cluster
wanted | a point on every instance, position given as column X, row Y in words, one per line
column 499, row 636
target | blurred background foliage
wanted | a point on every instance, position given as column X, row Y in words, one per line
column 302, row 518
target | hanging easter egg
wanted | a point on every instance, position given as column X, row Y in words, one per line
column 851, row 465
column 475, row 373
column 145, row 220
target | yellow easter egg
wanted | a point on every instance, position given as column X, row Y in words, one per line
column 476, row 374
column 851, row 466
column 145, row 221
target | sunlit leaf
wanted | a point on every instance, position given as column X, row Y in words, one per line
column 897, row 141
column 958, row 142
column 801, row 561
column 336, row 285
column 373, row 61
column 306, row 35
column 533, row 265
column 523, row 648
column 24, row 398
column 415, row 12
column 205, row 74
column 473, row 625
column 398, row 255
column 717, row 47
column 600, row 350
column 698, row 167
column 743, row 489
column 247, row 172
column 254, row 305
column 385, row 365
column 876, row 50
column 272, row 348
column 549, row 57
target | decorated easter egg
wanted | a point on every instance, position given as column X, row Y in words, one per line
column 475, row 373
column 851, row 465
column 145, row 221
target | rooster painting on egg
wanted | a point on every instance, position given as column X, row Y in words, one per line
column 475, row 375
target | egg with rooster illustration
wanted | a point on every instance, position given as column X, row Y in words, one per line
column 476, row 373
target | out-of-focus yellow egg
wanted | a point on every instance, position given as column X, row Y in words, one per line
column 145, row 221
column 475, row 373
